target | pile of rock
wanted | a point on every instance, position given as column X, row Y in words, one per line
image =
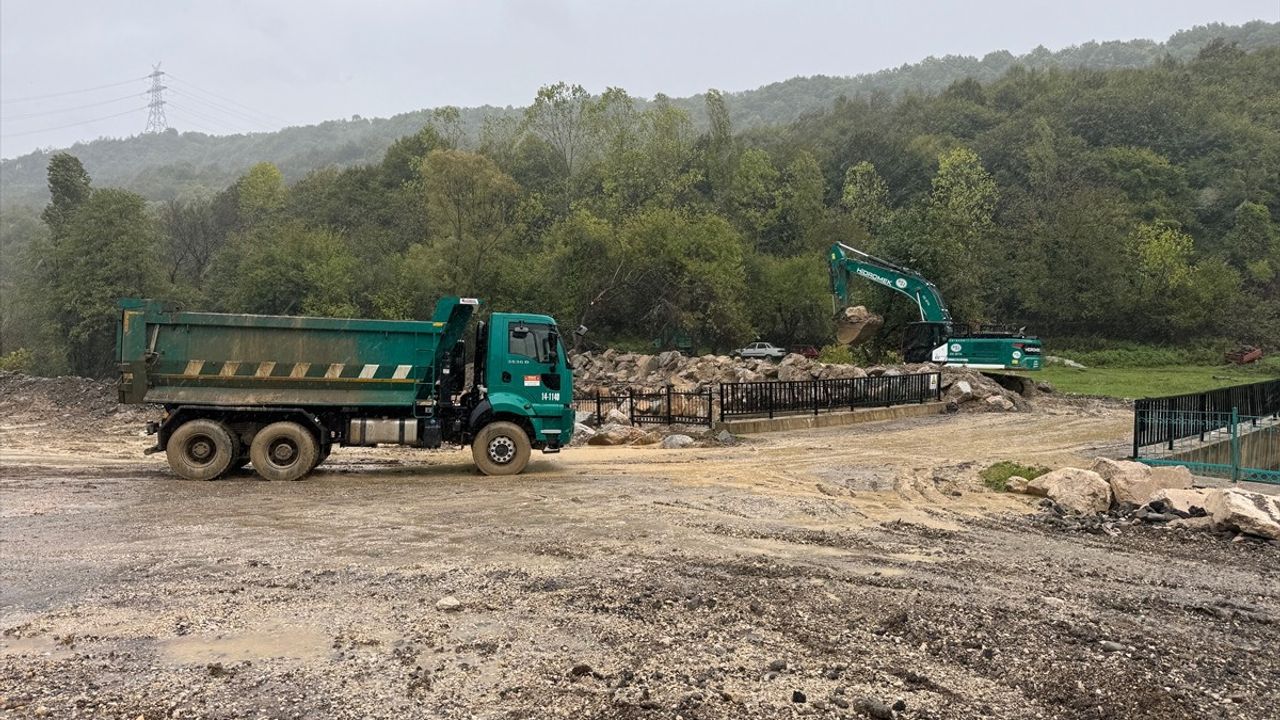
column 1118, row 493
column 612, row 371
column 620, row 431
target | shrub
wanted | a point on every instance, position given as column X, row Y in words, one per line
column 997, row 476
column 21, row 360
column 836, row 354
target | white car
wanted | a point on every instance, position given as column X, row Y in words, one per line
column 760, row 350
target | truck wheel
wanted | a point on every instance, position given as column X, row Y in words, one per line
column 284, row 451
column 501, row 448
column 201, row 450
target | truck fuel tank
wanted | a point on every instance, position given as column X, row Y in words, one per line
column 385, row 431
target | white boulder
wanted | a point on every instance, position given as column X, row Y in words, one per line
column 1247, row 512
column 1076, row 490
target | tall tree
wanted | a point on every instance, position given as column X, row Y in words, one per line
column 107, row 252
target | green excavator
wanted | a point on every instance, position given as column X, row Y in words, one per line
column 935, row 337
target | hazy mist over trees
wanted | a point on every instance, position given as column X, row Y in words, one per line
column 1136, row 197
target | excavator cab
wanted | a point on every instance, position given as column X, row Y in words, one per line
column 919, row 340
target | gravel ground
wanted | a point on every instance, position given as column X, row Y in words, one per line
column 845, row 572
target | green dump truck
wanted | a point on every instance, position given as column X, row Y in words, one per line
column 280, row 392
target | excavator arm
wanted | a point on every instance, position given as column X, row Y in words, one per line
column 846, row 261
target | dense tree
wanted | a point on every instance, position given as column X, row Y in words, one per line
column 107, row 251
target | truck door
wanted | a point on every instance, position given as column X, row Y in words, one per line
column 525, row 362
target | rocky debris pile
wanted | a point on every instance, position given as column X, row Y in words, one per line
column 1113, row 494
column 610, row 372
column 620, row 431
column 75, row 399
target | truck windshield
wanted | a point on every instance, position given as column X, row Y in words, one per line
column 532, row 340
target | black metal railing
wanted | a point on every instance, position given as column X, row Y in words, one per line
column 815, row 396
column 662, row 407
column 1163, row 420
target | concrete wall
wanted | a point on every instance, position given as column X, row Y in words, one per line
column 1258, row 449
column 832, row 419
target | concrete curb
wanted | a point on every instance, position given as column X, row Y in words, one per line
column 832, row 419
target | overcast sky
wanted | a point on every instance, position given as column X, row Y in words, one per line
column 243, row 65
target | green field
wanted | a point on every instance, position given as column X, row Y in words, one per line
column 1139, row 382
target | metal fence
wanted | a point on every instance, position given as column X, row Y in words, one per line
column 814, row 396
column 1231, row 432
column 770, row 398
column 665, row 407
column 1166, row 419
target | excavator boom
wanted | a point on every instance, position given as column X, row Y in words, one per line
column 933, row 338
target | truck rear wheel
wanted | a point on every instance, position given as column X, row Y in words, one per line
column 284, row 451
column 501, row 448
column 201, row 450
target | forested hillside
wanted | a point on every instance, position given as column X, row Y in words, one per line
column 1135, row 204
column 173, row 164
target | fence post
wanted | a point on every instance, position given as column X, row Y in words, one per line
column 668, row 404
column 599, row 418
column 769, row 396
column 709, row 407
column 721, row 405
column 1137, row 410
column 1235, row 445
column 813, row 387
column 631, row 405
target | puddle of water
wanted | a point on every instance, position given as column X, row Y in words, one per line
column 273, row 641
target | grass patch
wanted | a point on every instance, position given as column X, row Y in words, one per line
column 997, row 476
column 1132, row 383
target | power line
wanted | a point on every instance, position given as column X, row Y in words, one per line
column 75, row 124
column 71, row 92
column 214, row 107
column 70, row 109
column 192, row 86
column 225, row 125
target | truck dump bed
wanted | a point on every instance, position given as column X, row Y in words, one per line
column 183, row 358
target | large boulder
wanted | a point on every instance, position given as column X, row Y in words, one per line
column 1134, row 483
column 960, row 391
column 615, row 434
column 677, row 441
column 582, row 434
column 1172, row 476
column 1000, row 402
column 1247, row 512
column 1185, row 502
column 617, row 417
column 1076, row 490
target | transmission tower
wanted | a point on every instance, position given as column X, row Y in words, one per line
column 156, row 122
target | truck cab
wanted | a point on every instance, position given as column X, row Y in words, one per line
column 523, row 377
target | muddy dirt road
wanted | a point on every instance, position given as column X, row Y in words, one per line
column 844, row 572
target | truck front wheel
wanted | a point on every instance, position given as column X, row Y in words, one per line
column 201, row 450
column 501, row 448
column 284, row 451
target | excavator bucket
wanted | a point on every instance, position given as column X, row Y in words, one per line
column 856, row 325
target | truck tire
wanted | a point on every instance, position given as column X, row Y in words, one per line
column 501, row 448
column 284, row 451
column 201, row 450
